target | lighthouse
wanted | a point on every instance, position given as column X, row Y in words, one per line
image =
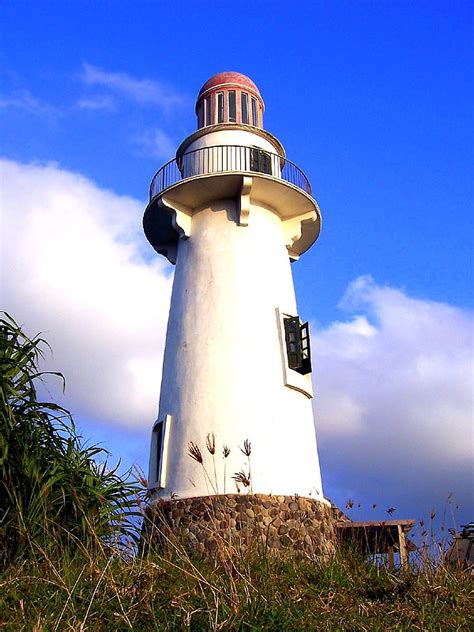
column 235, row 417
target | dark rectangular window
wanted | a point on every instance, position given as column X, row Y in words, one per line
column 305, row 344
column 293, row 347
column 244, row 108
column 260, row 161
column 298, row 345
column 158, row 439
column 232, row 107
column 254, row 112
column 220, row 107
column 207, row 111
column 200, row 115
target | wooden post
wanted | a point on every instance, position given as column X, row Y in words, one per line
column 402, row 547
column 390, row 557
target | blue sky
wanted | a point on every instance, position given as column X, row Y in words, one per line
column 370, row 99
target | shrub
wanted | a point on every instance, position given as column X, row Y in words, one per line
column 53, row 491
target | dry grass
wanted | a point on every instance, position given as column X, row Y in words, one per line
column 61, row 590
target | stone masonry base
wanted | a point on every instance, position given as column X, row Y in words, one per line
column 268, row 523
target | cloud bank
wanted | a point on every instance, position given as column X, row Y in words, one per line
column 394, row 396
column 393, row 401
column 73, row 269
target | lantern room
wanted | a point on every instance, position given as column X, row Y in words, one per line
column 229, row 97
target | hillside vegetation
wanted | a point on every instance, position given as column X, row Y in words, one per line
column 110, row 590
column 69, row 559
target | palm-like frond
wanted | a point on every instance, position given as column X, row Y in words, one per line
column 50, row 483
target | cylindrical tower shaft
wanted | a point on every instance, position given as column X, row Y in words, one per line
column 225, row 359
column 231, row 211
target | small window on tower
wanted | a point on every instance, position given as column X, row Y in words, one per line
column 260, row 161
column 220, row 107
column 298, row 345
column 254, row 112
column 207, row 111
column 232, row 107
column 159, row 447
column 244, row 107
column 158, row 439
column 158, row 434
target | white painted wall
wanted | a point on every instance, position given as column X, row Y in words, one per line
column 232, row 137
column 228, row 159
column 223, row 369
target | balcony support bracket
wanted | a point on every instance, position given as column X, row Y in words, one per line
column 244, row 199
column 181, row 217
column 293, row 229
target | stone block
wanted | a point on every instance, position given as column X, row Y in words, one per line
column 274, row 522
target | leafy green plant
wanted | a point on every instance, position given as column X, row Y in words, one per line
column 53, row 489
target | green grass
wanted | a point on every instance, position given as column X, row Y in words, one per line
column 65, row 561
column 76, row 589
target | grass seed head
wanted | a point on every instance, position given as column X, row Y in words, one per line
column 194, row 452
column 211, row 443
column 247, row 449
column 242, row 477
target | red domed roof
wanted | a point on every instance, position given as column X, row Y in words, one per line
column 229, row 78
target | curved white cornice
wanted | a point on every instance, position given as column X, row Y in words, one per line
column 273, row 140
column 169, row 217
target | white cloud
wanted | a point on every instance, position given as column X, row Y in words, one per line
column 73, row 269
column 394, row 398
column 155, row 143
column 96, row 103
column 144, row 91
column 24, row 100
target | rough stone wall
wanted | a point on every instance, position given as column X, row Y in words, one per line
column 268, row 523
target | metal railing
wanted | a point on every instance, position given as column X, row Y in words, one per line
column 227, row 159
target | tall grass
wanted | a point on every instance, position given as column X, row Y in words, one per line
column 108, row 588
column 54, row 490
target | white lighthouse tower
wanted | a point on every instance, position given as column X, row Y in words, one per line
column 231, row 211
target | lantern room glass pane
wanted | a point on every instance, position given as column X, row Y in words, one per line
column 200, row 115
column 220, row 107
column 244, row 107
column 232, row 107
column 254, row 112
column 207, row 111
